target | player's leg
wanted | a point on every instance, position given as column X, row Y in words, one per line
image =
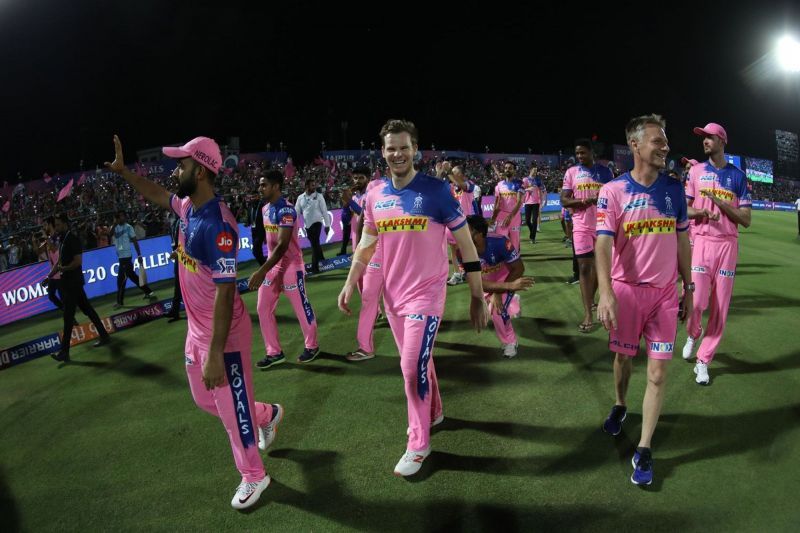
column 503, row 329
column 266, row 304
column 53, row 293
column 528, row 218
column 703, row 279
column 587, row 277
column 295, row 290
column 535, row 215
column 370, row 298
column 83, row 304
column 122, row 278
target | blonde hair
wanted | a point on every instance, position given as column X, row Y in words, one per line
column 636, row 126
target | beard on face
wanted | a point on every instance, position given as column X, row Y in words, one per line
column 186, row 187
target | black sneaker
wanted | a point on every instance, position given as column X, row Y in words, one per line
column 271, row 360
column 613, row 424
column 308, row 355
column 642, row 462
column 105, row 339
column 573, row 281
column 61, row 356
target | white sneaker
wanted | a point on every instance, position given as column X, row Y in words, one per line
column 248, row 494
column 455, row 279
column 701, row 369
column 688, row 348
column 510, row 350
column 267, row 433
column 439, row 420
column 411, row 462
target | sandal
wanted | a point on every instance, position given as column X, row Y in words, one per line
column 359, row 355
column 586, row 328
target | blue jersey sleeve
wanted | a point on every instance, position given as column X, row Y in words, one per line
column 509, row 253
column 450, row 213
column 286, row 217
column 220, row 246
column 355, row 207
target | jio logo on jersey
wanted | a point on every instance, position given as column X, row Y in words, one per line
column 224, row 241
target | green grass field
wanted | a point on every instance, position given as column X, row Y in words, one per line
column 113, row 441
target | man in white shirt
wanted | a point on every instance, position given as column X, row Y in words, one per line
column 312, row 206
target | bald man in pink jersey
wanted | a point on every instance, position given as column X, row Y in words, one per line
column 408, row 214
column 283, row 272
column 719, row 188
column 219, row 338
column 642, row 244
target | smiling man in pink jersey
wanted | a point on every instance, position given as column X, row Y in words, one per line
column 371, row 287
column 720, row 188
column 534, row 194
column 641, row 246
column 219, row 339
column 283, row 272
column 501, row 273
column 408, row 214
column 506, row 216
column 582, row 184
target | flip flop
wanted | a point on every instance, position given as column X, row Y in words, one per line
column 585, row 328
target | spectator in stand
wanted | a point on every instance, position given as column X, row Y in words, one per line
column 102, row 232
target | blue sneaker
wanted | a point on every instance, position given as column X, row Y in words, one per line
column 271, row 360
column 613, row 423
column 642, row 462
column 308, row 355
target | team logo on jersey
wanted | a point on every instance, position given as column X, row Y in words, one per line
column 227, row 266
column 638, row 203
column 402, row 224
column 728, row 182
column 417, row 204
column 602, row 203
column 727, row 273
column 722, row 194
column 662, row 347
column 224, row 241
column 650, row 226
column 188, row 262
column 385, row 204
column 668, row 202
column 271, row 228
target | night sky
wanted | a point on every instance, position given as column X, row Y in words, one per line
column 163, row 72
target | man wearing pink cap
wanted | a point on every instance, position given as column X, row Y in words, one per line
column 719, row 189
column 219, row 337
column 641, row 248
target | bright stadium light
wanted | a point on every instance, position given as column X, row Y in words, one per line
column 789, row 54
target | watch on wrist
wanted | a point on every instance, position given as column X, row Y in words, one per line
column 688, row 287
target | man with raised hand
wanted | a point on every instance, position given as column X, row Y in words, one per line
column 408, row 213
column 719, row 189
column 219, row 337
column 642, row 244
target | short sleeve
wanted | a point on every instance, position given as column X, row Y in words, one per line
column 221, row 245
column 131, row 233
column 510, row 254
column 743, row 193
column 682, row 213
column 607, row 212
column 450, row 213
column 369, row 218
column 286, row 217
column 567, row 185
column 176, row 204
column 691, row 185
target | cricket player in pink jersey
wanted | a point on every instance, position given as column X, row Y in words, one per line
column 463, row 191
column 408, row 215
column 641, row 246
column 501, row 273
column 534, row 194
column 360, row 178
column 283, row 272
column 581, row 186
column 719, row 188
column 508, row 196
column 371, row 287
column 219, row 338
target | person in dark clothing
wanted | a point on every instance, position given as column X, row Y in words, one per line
column 122, row 235
column 177, row 297
column 257, row 230
column 347, row 217
column 51, row 246
column 69, row 265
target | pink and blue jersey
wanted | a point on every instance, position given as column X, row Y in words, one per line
column 508, row 194
column 533, row 188
column 728, row 184
column 499, row 252
column 282, row 214
column 411, row 223
column 465, row 198
column 643, row 222
column 585, row 183
column 208, row 243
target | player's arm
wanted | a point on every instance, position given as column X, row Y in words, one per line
column 469, row 255
column 135, row 242
column 151, row 191
column 284, row 238
column 514, row 280
column 214, row 366
column 607, row 306
column 685, row 270
column 568, row 200
column 361, row 256
column 739, row 215
column 496, row 208
column 516, row 207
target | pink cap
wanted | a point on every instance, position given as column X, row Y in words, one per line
column 202, row 149
column 712, row 128
column 693, row 162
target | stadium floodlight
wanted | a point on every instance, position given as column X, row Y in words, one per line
column 789, row 54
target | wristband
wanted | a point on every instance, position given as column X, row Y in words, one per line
column 472, row 266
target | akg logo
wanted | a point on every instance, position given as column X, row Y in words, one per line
column 224, row 241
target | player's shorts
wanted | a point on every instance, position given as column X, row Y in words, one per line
column 584, row 242
column 648, row 311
